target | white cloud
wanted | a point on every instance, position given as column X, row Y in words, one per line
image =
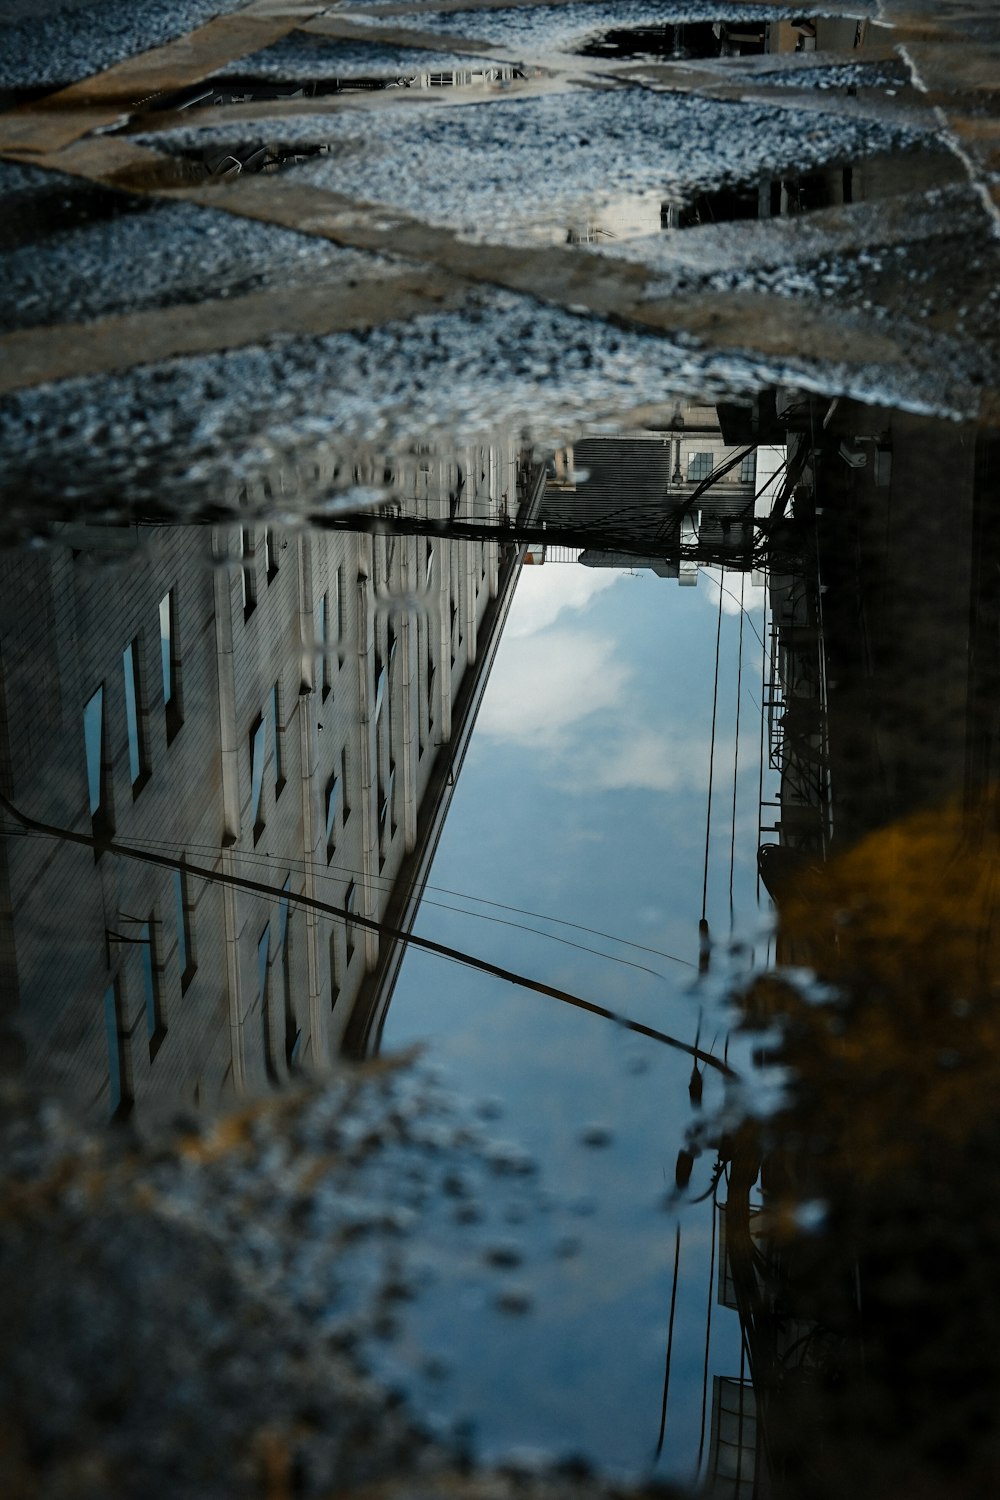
column 571, row 694
column 653, row 761
column 544, row 593
column 638, row 756
column 543, row 685
column 754, row 595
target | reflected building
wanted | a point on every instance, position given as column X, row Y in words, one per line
column 882, row 672
column 672, row 500
column 278, row 717
column 882, row 722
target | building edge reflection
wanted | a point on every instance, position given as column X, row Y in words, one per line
column 883, row 728
column 267, row 702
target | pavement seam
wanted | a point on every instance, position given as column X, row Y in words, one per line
column 107, row 345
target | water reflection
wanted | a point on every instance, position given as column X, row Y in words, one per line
column 225, row 702
column 242, row 765
column 394, row 649
column 868, row 1326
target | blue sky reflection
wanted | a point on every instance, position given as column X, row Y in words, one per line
column 583, row 797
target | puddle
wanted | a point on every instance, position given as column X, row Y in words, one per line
column 838, row 711
column 704, row 39
column 499, row 640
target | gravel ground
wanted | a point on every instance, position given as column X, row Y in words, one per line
column 163, row 254
column 191, row 1313
column 168, row 433
column 48, row 45
column 522, row 168
column 547, row 28
column 179, row 434
column 301, row 55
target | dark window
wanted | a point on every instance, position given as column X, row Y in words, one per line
column 93, row 736
column 155, row 1028
column 293, row 1035
column 258, row 755
column 380, row 684
column 386, row 813
column 98, row 782
column 334, row 967
column 169, row 663
column 338, row 609
column 345, row 802
column 186, row 961
column 248, row 571
column 323, row 646
column 748, row 469
column 119, row 1094
column 138, row 764
column 264, row 991
column 278, row 740
column 351, row 903
column 332, row 799
column 271, row 549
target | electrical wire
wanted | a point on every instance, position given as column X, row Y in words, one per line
column 708, row 1336
column 763, row 698
column 719, row 584
column 711, row 763
column 670, row 1343
column 736, row 766
column 325, row 870
column 355, row 919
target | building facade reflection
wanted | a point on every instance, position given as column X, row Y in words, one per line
column 881, row 854
column 274, row 705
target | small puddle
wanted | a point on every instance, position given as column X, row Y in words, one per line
column 673, row 43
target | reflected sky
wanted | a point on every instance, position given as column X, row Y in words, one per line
column 583, row 797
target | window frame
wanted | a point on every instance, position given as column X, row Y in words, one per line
column 696, row 469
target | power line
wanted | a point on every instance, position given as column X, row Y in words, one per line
column 371, row 924
column 670, row 1343
column 736, row 764
column 711, row 767
column 325, row 871
column 708, row 1337
column 763, row 712
column 719, row 584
